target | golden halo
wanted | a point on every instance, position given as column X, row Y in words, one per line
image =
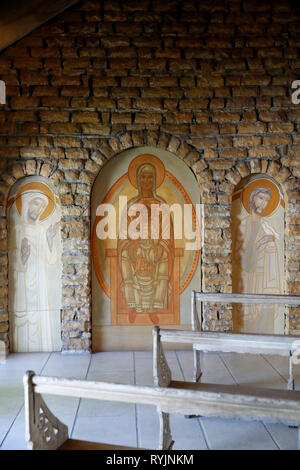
column 262, row 183
column 37, row 187
column 146, row 158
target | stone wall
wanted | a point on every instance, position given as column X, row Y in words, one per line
column 209, row 81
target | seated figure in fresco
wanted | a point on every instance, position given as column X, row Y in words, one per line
column 256, row 260
column 31, row 248
column 146, row 264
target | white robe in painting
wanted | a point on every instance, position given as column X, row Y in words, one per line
column 256, row 271
column 34, row 307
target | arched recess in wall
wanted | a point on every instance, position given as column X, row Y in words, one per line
column 257, row 216
column 142, row 282
column 35, row 265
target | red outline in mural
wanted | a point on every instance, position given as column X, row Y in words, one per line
column 95, row 256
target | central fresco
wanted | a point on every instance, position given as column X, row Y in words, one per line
column 144, row 277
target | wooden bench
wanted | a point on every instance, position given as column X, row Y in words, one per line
column 239, row 342
column 222, row 401
column 44, row 431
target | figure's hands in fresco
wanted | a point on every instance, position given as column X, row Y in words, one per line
column 50, row 234
column 25, row 250
column 264, row 240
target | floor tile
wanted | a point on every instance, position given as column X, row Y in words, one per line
column 222, row 434
column 212, row 367
column 281, row 365
column 286, row 437
column 252, row 370
column 106, row 421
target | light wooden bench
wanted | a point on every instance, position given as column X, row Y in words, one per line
column 44, row 431
column 239, row 342
column 222, row 401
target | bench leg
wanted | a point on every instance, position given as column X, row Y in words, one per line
column 197, row 366
column 291, row 382
column 197, row 374
column 165, row 437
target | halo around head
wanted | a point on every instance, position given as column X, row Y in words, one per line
column 36, row 188
column 262, row 183
column 143, row 159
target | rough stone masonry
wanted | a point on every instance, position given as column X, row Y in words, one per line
column 208, row 81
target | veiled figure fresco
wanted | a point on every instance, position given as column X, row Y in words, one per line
column 146, row 263
column 34, row 268
column 257, row 255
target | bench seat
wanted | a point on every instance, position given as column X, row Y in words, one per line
column 240, row 391
column 239, row 402
column 76, row 444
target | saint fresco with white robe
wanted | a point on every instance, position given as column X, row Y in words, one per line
column 256, row 268
column 34, row 274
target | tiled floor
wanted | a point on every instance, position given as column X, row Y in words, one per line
column 131, row 425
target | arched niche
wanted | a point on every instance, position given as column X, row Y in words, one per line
column 257, row 223
column 136, row 284
column 35, row 266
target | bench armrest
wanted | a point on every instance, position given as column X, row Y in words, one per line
column 43, row 431
column 161, row 372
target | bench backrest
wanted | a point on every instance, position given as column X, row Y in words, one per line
column 235, row 298
column 278, row 344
